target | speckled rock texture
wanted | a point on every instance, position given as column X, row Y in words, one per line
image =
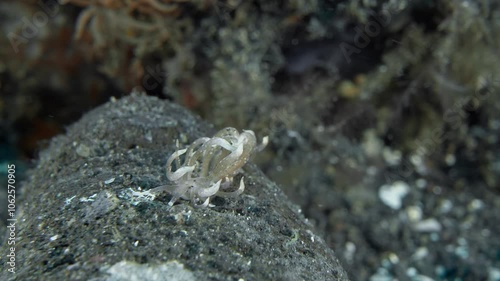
column 84, row 215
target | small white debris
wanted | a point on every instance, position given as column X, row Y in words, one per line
column 128, row 270
column 108, row 181
column 372, row 144
column 416, row 159
column 91, row 198
column 421, row 277
column 421, row 183
column 381, row 275
column 411, row 272
column 350, row 250
column 392, row 195
column 434, row 237
column 68, row 201
column 393, row 258
column 493, row 274
column 462, row 252
column 418, row 162
column 391, row 157
column 137, row 197
column 475, row 205
column 428, row 225
column 83, row 151
column 148, row 136
column 445, row 206
column 414, row 213
column 420, row 253
column 450, row 159
column 312, row 235
column 54, row 238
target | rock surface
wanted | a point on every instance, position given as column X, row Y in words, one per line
column 84, row 214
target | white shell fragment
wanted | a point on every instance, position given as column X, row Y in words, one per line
column 427, row 225
column 392, row 194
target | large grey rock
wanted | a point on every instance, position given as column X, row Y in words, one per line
column 85, row 217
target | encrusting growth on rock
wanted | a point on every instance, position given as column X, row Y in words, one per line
column 207, row 166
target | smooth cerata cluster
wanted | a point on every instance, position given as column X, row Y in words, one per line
column 207, row 166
